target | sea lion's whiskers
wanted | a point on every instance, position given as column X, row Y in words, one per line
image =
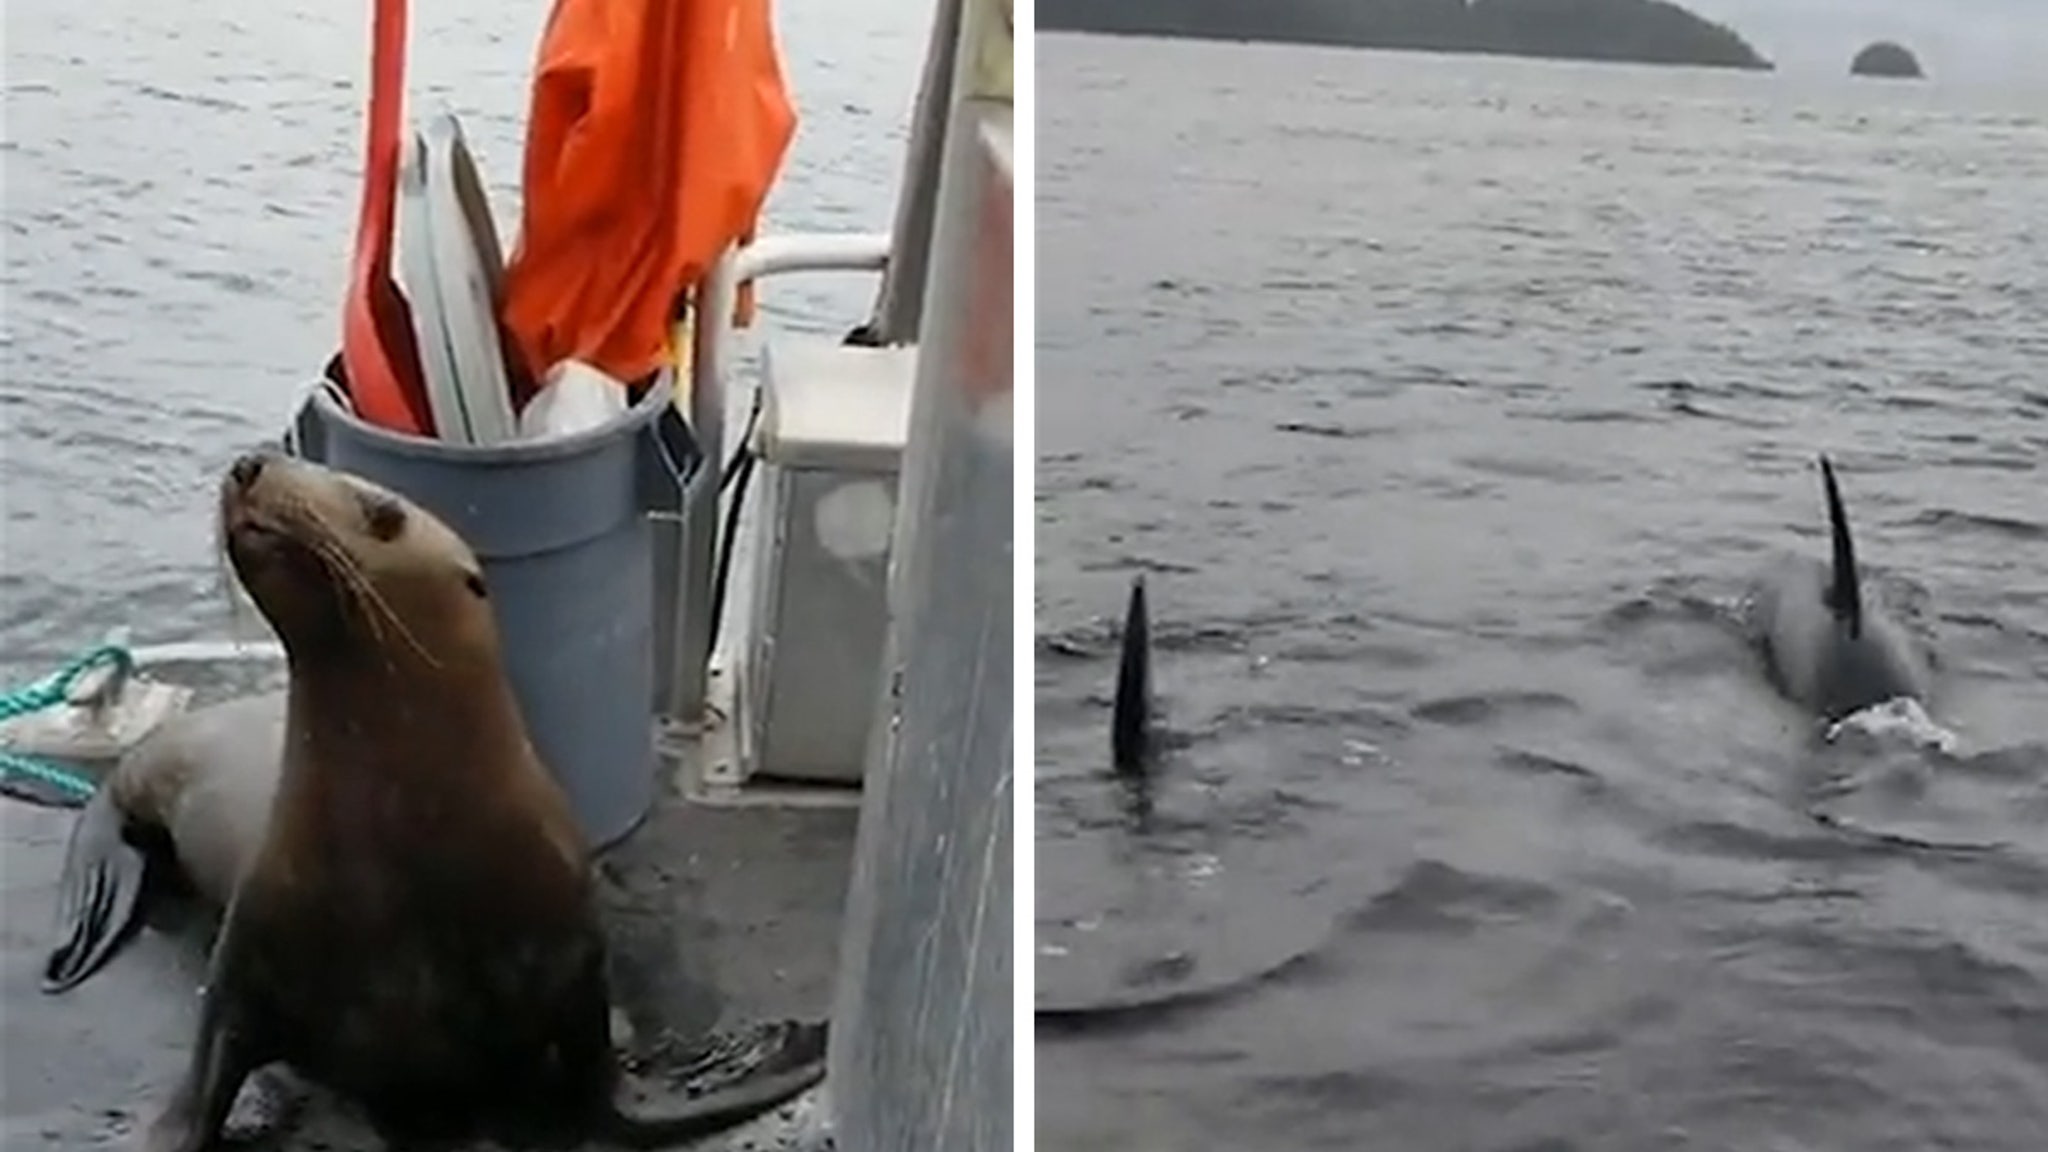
column 375, row 611
column 359, row 599
column 299, row 519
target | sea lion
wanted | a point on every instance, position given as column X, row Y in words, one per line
column 1130, row 722
column 1831, row 647
column 191, row 801
column 417, row 930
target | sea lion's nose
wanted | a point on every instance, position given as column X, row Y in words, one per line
column 245, row 470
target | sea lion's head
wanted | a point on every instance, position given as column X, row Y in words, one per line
column 340, row 565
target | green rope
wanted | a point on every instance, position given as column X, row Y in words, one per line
column 49, row 692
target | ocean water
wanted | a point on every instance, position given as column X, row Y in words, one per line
column 179, row 206
column 1450, row 406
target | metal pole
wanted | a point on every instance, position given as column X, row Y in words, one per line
column 921, row 1032
column 900, row 299
column 691, row 655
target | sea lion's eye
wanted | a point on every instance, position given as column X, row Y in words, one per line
column 476, row 586
column 385, row 518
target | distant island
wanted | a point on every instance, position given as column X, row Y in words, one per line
column 1886, row 59
column 1632, row 31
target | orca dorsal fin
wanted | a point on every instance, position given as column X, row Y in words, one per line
column 1845, row 588
column 1130, row 734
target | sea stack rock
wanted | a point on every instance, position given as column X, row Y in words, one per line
column 1888, row 60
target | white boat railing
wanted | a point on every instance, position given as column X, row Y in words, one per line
column 208, row 652
column 688, row 653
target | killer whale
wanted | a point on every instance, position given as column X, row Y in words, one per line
column 1130, row 731
column 1831, row 645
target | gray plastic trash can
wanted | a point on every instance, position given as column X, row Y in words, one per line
column 563, row 532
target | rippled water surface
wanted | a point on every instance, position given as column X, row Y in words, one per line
column 1451, row 406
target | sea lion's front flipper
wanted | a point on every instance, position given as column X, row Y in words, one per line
column 97, row 896
column 267, row 1106
column 222, row 1058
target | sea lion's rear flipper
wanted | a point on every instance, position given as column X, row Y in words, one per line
column 731, row 1076
column 97, row 896
column 781, row 1059
column 1845, row 588
column 1130, row 733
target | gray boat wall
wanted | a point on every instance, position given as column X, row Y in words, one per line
column 922, row 1028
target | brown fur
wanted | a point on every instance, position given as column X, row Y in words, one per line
column 418, row 931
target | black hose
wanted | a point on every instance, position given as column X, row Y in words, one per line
column 738, row 471
column 742, row 469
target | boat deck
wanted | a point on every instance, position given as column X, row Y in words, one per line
column 718, row 915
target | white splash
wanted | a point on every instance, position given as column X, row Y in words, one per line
column 1903, row 718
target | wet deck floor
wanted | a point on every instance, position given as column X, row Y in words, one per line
column 718, row 915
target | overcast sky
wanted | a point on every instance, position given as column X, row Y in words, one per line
column 2000, row 40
